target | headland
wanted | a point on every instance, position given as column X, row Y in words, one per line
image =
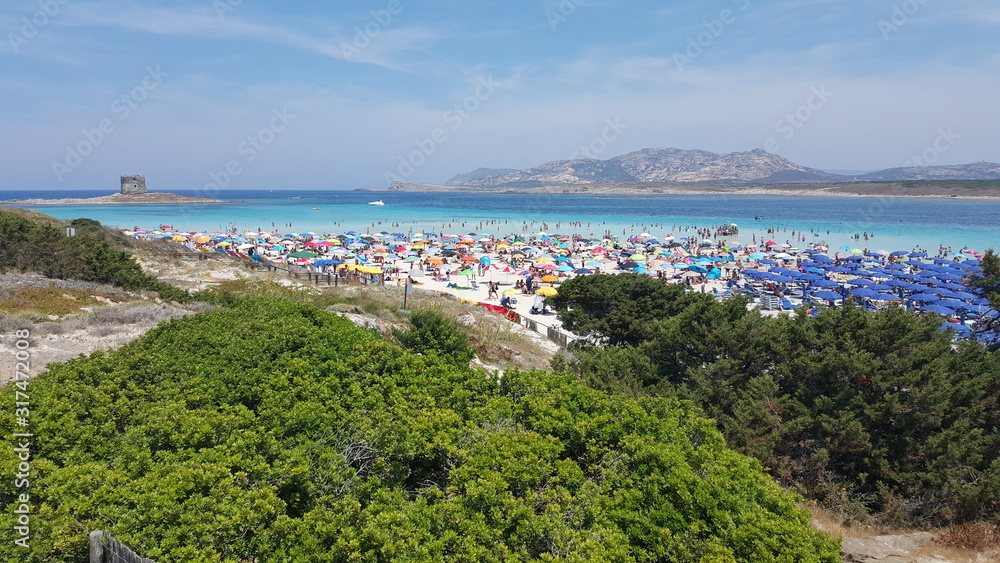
column 923, row 189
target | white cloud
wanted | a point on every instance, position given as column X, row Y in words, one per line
column 377, row 45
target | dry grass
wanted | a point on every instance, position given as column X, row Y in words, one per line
column 827, row 521
column 967, row 543
column 976, row 535
column 496, row 340
column 45, row 301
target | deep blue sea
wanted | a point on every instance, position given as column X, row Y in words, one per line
column 897, row 223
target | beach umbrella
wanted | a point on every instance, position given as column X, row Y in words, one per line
column 583, row 271
column 546, row 291
column 924, row 298
column 828, row 295
column 550, row 278
column 961, row 329
column 865, row 292
column 823, row 259
column 824, row 283
column 917, row 254
column 937, row 309
column 953, row 304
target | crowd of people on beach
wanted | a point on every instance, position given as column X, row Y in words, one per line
column 526, row 265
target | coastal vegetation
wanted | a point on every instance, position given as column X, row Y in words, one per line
column 94, row 253
column 276, row 431
column 880, row 416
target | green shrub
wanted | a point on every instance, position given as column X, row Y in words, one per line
column 93, row 254
column 433, row 333
column 278, row 432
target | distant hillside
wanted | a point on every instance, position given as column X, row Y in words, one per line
column 672, row 165
column 478, row 174
column 976, row 171
column 653, row 165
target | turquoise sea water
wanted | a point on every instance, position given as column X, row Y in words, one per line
column 897, row 223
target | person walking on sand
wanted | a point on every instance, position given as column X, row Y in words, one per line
column 492, row 286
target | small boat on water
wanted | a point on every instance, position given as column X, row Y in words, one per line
column 379, row 202
column 315, row 208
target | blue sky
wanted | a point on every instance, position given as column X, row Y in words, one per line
column 243, row 94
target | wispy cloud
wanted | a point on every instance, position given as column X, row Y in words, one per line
column 377, row 49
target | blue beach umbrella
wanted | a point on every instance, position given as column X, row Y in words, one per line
column 939, row 310
column 824, row 283
column 924, row 298
column 828, row 295
column 864, row 292
column 961, row 329
column 953, row 304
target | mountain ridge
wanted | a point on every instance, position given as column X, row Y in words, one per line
column 675, row 165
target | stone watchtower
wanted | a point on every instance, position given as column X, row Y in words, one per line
column 133, row 185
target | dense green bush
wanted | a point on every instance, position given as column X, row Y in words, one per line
column 871, row 413
column 432, row 333
column 275, row 431
column 93, row 254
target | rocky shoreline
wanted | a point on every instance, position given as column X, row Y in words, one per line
column 859, row 189
column 148, row 198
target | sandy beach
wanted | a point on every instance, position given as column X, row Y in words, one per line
column 775, row 277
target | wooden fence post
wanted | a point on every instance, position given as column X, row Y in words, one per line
column 96, row 546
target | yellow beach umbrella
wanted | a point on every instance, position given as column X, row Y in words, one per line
column 546, row 291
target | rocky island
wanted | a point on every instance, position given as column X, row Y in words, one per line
column 133, row 192
column 147, row 198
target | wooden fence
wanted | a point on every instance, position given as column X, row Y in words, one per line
column 106, row 549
